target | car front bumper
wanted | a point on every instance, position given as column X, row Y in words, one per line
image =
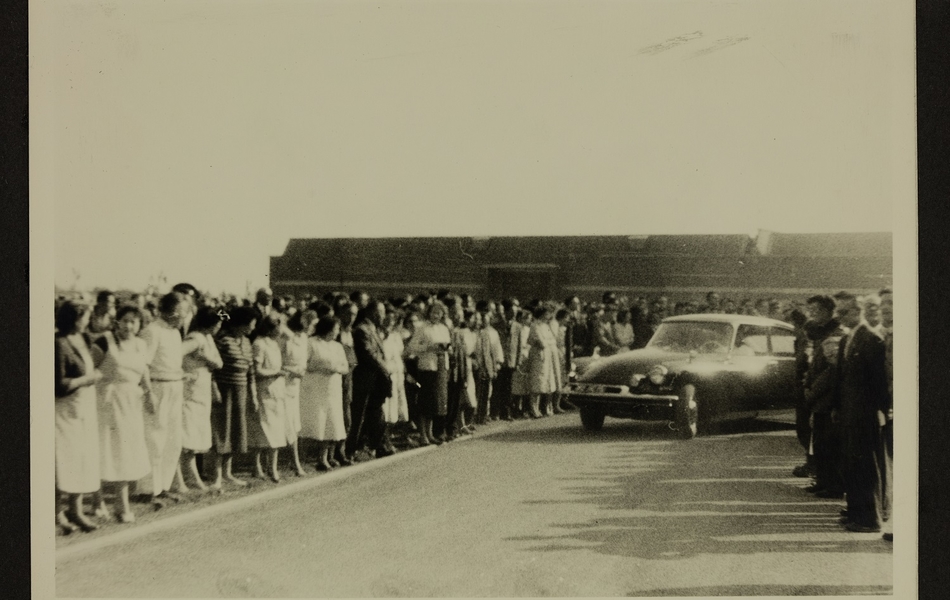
column 620, row 401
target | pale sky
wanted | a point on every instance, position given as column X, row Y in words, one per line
column 196, row 138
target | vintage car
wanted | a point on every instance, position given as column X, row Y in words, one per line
column 696, row 370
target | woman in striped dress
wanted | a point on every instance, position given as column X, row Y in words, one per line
column 236, row 382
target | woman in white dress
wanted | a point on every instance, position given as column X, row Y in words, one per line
column 321, row 412
column 268, row 431
column 200, row 389
column 77, row 425
column 295, row 351
column 396, row 407
column 544, row 375
column 123, row 455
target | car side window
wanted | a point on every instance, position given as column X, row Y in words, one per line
column 752, row 340
column 783, row 342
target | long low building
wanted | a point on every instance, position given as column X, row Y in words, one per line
column 683, row 267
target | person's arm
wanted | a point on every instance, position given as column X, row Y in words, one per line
column 190, row 344
column 98, row 349
column 367, row 353
column 497, row 351
column 64, row 384
column 146, row 384
column 877, row 377
column 211, row 355
column 251, row 376
column 151, row 343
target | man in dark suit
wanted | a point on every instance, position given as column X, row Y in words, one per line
column 820, row 382
column 372, row 383
column 861, row 403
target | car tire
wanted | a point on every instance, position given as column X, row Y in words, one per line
column 592, row 418
column 687, row 412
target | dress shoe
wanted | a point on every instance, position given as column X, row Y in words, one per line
column 888, row 537
column 383, row 452
column 127, row 517
column 803, row 471
column 67, row 526
column 81, row 520
column 843, row 512
column 858, row 528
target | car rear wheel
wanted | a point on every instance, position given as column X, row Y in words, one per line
column 687, row 412
column 592, row 418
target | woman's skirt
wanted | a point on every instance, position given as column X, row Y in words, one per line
column 292, row 408
column 229, row 420
column 269, row 429
column 123, row 455
column 77, row 442
column 321, row 413
column 196, row 415
column 433, row 393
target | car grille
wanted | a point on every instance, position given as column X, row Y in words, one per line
column 597, row 388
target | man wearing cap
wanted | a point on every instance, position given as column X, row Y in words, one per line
column 825, row 334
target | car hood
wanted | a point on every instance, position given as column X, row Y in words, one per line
column 619, row 368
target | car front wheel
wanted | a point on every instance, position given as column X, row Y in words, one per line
column 592, row 418
column 687, row 412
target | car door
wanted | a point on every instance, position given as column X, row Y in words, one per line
column 750, row 359
column 780, row 371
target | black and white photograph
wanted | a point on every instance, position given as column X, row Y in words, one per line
column 423, row 298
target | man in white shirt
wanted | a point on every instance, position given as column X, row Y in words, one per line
column 163, row 407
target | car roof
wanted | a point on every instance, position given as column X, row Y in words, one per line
column 734, row 319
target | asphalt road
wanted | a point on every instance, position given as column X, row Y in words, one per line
column 537, row 508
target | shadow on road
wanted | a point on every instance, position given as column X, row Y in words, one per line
column 625, row 430
column 728, row 494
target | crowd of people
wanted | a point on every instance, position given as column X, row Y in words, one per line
column 163, row 392
column 846, row 411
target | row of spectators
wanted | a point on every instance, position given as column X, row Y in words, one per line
column 145, row 389
column 845, row 414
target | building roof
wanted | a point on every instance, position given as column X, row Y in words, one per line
column 825, row 244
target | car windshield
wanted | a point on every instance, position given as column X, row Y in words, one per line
column 689, row 336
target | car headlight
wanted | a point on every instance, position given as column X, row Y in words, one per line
column 657, row 375
column 635, row 380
